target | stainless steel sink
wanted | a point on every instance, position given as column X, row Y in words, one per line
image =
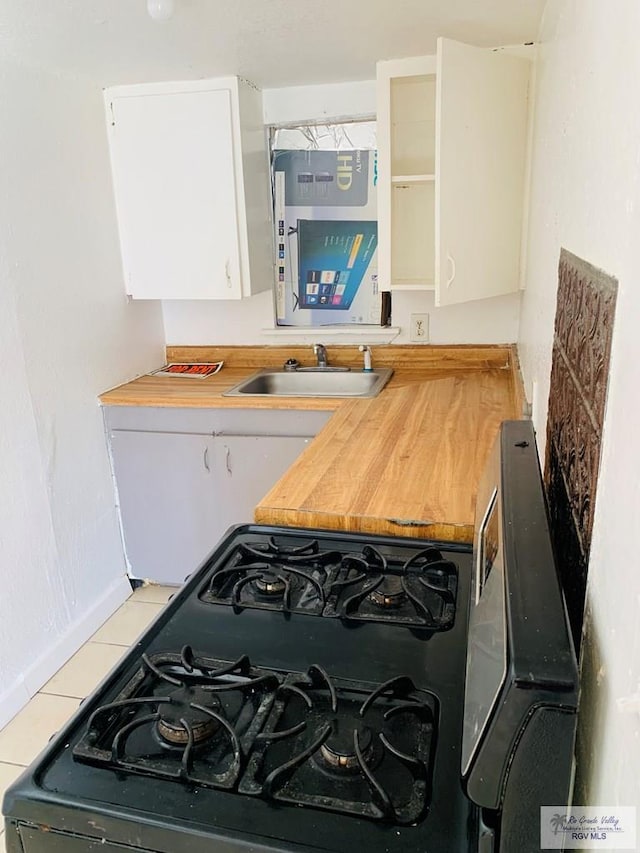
column 312, row 383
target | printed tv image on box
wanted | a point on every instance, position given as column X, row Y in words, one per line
column 326, row 234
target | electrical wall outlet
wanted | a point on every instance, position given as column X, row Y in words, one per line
column 419, row 333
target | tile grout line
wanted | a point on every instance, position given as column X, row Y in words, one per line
column 60, row 695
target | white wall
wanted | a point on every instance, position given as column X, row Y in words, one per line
column 251, row 321
column 66, row 334
column 485, row 321
column 586, row 197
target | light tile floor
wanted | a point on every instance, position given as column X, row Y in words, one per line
column 28, row 733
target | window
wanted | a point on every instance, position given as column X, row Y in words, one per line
column 325, row 225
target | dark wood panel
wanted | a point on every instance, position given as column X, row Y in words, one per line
column 583, row 333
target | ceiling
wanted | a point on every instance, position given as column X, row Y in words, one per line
column 271, row 42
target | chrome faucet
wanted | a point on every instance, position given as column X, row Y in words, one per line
column 321, row 355
column 322, row 361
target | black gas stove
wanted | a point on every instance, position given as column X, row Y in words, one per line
column 305, row 691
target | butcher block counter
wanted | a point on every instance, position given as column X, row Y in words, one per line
column 405, row 463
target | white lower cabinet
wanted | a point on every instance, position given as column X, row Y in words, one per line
column 179, row 491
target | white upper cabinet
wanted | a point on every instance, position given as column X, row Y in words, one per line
column 190, row 175
column 452, row 135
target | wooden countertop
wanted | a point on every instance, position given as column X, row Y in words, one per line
column 405, row 463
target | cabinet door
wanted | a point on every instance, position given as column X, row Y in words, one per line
column 168, row 503
column 481, row 116
column 174, row 179
column 249, row 466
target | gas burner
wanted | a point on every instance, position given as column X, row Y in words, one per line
column 347, row 747
column 270, row 584
column 390, row 593
column 187, row 717
column 339, row 753
column 418, row 592
column 182, row 717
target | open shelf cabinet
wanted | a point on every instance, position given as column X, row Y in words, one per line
column 452, row 133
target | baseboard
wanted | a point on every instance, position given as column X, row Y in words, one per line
column 41, row 670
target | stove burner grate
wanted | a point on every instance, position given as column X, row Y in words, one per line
column 307, row 554
column 182, row 717
column 419, row 592
column 272, row 576
column 347, row 747
column 395, row 585
column 306, row 739
column 269, row 586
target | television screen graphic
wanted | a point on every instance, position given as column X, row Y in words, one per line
column 333, row 257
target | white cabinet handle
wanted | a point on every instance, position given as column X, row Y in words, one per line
column 452, row 263
column 206, row 459
column 228, row 462
column 227, row 273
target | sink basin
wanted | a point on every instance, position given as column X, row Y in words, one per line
column 312, row 383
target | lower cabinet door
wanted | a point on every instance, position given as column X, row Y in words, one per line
column 168, row 500
column 248, row 466
column 179, row 492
